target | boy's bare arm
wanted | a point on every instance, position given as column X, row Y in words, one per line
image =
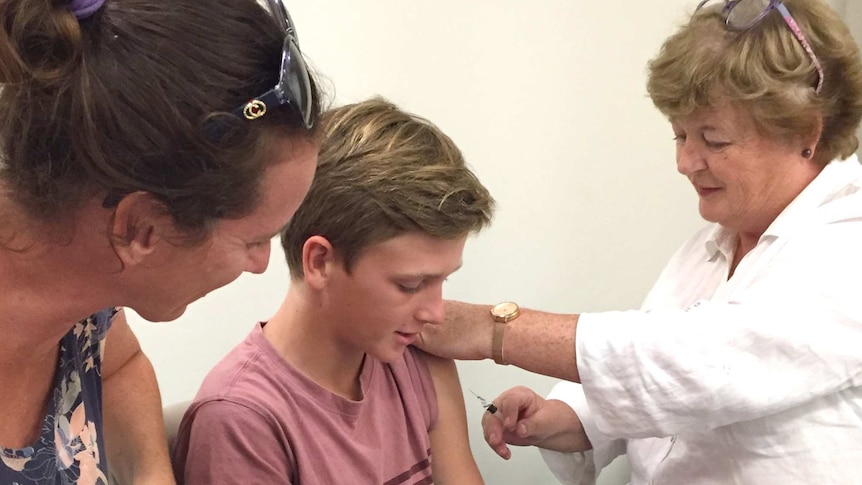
column 452, row 461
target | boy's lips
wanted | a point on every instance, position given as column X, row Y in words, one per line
column 407, row 338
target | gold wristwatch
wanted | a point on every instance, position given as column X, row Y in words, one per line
column 502, row 313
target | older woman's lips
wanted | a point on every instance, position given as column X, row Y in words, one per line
column 706, row 191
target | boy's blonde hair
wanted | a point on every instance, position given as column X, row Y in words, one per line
column 383, row 172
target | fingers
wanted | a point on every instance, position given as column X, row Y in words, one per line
column 516, row 404
column 465, row 333
column 509, row 424
column 492, row 428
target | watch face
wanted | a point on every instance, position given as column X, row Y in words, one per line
column 505, row 309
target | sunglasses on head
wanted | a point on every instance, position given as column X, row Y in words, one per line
column 294, row 89
column 745, row 14
column 294, row 82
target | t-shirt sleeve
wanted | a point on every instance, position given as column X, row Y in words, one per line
column 423, row 385
column 227, row 443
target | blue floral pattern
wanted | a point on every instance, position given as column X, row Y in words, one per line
column 68, row 452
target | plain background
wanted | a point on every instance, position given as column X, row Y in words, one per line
column 547, row 101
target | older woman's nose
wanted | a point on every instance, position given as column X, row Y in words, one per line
column 688, row 158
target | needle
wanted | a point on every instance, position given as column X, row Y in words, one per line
column 485, row 404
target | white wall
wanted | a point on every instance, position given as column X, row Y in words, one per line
column 547, row 101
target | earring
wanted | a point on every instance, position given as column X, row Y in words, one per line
column 806, row 153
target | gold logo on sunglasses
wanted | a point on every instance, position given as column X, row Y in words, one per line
column 254, row 109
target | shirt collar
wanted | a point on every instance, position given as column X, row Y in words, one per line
column 831, row 184
column 720, row 241
column 837, row 179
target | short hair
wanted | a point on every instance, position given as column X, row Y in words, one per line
column 383, row 172
column 118, row 103
column 766, row 72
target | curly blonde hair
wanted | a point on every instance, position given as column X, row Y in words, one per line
column 766, row 72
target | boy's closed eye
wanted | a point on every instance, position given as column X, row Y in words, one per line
column 416, row 286
column 412, row 287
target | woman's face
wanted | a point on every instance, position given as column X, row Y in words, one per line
column 742, row 178
column 235, row 245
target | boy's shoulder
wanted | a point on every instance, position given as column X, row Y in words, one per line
column 244, row 375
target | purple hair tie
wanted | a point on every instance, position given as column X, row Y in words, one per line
column 82, row 9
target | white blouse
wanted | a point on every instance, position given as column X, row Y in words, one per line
column 756, row 379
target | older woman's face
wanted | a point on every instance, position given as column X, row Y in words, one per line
column 743, row 179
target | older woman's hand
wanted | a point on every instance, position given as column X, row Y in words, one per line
column 539, row 342
column 523, row 418
column 465, row 333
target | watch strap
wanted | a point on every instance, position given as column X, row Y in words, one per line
column 497, row 343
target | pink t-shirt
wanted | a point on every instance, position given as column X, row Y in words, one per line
column 256, row 419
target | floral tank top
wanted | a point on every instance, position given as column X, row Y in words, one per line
column 69, row 449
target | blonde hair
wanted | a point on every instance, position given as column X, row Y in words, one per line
column 383, row 172
column 765, row 71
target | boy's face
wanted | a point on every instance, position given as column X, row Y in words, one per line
column 394, row 290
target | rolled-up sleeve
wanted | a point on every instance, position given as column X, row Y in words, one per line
column 581, row 468
column 777, row 342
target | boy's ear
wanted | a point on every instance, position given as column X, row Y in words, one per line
column 318, row 261
column 139, row 222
